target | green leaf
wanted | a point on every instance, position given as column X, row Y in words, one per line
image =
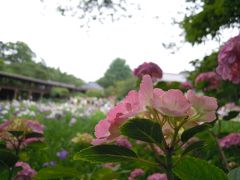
column 190, row 168
column 2, row 145
column 193, row 146
column 37, row 145
column 7, row 159
column 16, row 133
column 187, row 134
column 56, row 173
column 106, row 153
column 234, row 174
column 231, row 115
column 143, row 129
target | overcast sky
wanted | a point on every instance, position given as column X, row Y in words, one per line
column 87, row 53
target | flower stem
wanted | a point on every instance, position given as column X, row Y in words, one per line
column 223, row 157
column 169, row 164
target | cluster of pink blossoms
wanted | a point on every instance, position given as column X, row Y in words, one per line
column 26, row 173
column 23, row 125
column 224, row 110
column 139, row 172
column 211, row 78
column 186, row 85
column 171, row 104
column 148, row 68
column 121, row 141
column 135, row 173
column 229, row 60
column 232, row 139
column 157, row 176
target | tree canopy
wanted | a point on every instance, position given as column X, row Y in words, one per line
column 18, row 58
column 212, row 16
column 117, row 71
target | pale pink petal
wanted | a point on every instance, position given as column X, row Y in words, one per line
column 132, row 101
column 209, row 117
column 116, row 112
column 102, row 129
column 146, row 91
column 99, row 141
column 205, row 106
column 157, row 93
column 173, row 103
column 31, row 140
column 202, row 103
column 132, row 105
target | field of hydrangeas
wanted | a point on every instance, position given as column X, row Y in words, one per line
column 157, row 132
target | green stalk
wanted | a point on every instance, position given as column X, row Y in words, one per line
column 169, row 164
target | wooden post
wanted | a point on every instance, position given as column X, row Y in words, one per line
column 30, row 95
column 15, row 94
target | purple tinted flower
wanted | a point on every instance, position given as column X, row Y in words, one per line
column 232, row 139
column 135, row 173
column 123, row 142
column 150, row 68
column 51, row 163
column 211, row 78
column 26, row 171
column 157, row 176
column 62, row 154
column 229, row 60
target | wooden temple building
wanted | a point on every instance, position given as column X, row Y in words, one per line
column 13, row 86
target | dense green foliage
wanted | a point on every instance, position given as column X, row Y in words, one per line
column 118, row 70
column 118, row 79
column 211, row 17
column 18, row 58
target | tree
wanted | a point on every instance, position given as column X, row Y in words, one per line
column 16, row 52
column 212, row 17
column 92, row 10
column 18, row 58
column 118, row 70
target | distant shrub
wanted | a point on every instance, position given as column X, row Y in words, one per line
column 95, row 93
column 59, row 92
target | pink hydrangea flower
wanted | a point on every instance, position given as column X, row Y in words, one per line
column 150, row 68
column 186, row 85
column 211, row 78
column 133, row 104
column 232, row 139
column 35, row 126
column 157, row 176
column 135, row 173
column 204, row 106
column 123, row 142
column 229, row 60
column 26, row 126
column 173, row 103
column 224, row 110
column 26, row 171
